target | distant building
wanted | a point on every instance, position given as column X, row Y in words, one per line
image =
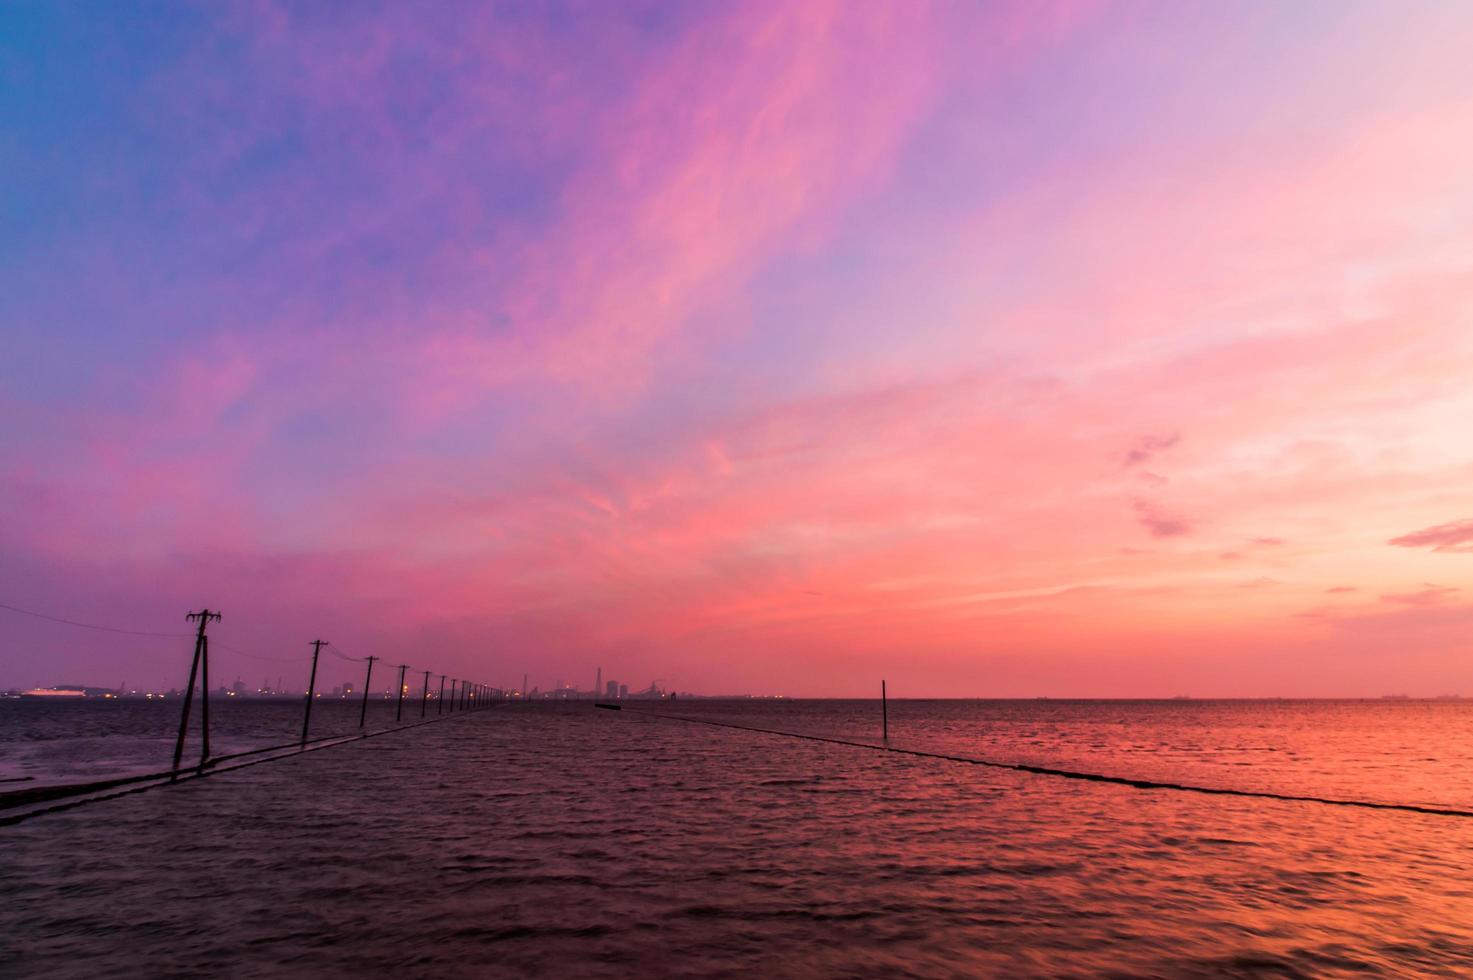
column 612, row 690
column 623, row 691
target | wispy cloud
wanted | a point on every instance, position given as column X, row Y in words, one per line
column 1452, row 536
column 1430, row 595
column 1148, row 447
column 1157, row 521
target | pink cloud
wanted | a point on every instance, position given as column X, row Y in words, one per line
column 1156, row 520
column 1454, row 536
column 1431, row 595
column 1147, row 448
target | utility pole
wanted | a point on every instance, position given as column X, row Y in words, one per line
column 363, row 715
column 424, row 703
column 311, row 687
column 204, row 616
column 440, row 698
column 204, row 699
column 399, row 710
column 885, row 712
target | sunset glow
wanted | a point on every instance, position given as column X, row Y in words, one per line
column 994, row 349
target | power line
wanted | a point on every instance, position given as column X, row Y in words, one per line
column 257, row 656
column 1146, row 784
column 174, row 776
column 91, row 626
column 337, row 651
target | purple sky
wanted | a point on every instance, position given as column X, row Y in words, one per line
column 998, row 349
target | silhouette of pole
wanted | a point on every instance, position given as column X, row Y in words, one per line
column 451, row 707
column 424, row 703
column 399, row 709
column 440, row 698
column 203, row 616
column 204, row 700
column 885, row 712
column 311, row 687
column 363, row 715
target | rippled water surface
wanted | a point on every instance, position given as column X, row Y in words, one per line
column 559, row 840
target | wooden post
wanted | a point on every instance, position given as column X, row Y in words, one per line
column 399, row 708
column 204, row 700
column 363, row 715
column 188, row 696
column 424, row 702
column 311, row 688
column 440, row 699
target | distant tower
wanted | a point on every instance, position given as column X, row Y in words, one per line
column 524, row 685
column 598, row 682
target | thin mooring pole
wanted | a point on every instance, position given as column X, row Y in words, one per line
column 399, row 710
column 885, row 711
column 204, row 616
column 440, row 698
column 424, row 703
column 311, row 687
column 363, row 715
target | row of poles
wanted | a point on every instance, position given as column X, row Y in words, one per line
column 465, row 695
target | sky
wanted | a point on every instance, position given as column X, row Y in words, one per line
column 993, row 349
